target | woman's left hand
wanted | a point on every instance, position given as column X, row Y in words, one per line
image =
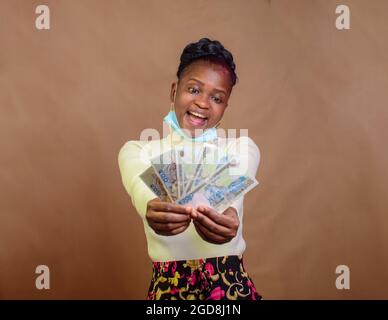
column 215, row 227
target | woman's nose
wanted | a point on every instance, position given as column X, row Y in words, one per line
column 202, row 101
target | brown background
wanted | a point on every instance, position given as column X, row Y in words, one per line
column 312, row 97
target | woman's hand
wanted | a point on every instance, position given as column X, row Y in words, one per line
column 214, row 227
column 167, row 219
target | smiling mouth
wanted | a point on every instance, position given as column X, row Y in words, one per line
column 196, row 119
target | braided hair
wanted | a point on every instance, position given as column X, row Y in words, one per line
column 208, row 50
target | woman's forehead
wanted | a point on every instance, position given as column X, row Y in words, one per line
column 209, row 72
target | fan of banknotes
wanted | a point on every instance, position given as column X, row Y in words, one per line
column 200, row 175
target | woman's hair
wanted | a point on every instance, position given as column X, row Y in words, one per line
column 208, row 50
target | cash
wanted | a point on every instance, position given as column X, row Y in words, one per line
column 152, row 181
column 165, row 167
column 189, row 176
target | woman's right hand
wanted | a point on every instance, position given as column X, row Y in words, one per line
column 167, row 219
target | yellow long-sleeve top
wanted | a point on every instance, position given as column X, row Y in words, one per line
column 134, row 158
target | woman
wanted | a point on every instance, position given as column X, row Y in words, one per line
column 196, row 251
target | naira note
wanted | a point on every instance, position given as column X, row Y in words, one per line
column 187, row 160
column 179, row 155
column 165, row 167
column 223, row 191
column 152, row 181
column 208, row 162
column 188, row 198
column 206, row 170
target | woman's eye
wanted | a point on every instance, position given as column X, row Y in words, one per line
column 217, row 100
column 193, row 90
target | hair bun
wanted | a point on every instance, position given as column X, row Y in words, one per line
column 210, row 50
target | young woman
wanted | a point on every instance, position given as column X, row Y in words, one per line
column 196, row 251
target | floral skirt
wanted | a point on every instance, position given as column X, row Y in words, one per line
column 219, row 278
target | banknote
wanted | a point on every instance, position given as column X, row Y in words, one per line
column 191, row 168
column 188, row 160
column 210, row 159
column 165, row 167
column 200, row 175
column 188, row 198
column 206, row 170
column 179, row 156
column 222, row 192
column 221, row 189
column 199, row 200
column 152, row 181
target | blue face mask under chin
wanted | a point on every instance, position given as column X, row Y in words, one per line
column 209, row 134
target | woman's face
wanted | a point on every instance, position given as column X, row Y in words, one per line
column 202, row 95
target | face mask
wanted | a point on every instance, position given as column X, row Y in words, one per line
column 207, row 135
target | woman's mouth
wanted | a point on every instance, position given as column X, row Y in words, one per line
column 196, row 119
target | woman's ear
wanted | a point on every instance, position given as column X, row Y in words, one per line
column 173, row 91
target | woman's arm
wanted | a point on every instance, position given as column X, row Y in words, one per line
column 131, row 166
column 163, row 217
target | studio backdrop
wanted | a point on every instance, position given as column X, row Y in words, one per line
column 313, row 97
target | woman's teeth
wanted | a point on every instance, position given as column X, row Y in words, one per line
column 197, row 115
column 196, row 119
